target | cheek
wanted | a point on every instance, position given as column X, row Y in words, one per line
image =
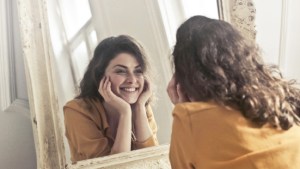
column 116, row 81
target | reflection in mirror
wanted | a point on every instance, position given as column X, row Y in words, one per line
column 112, row 112
column 74, row 40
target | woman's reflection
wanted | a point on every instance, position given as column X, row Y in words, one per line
column 112, row 114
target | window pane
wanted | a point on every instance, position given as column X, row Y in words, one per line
column 93, row 40
column 75, row 13
column 80, row 61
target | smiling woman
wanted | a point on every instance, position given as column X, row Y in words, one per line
column 102, row 19
column 112, row 112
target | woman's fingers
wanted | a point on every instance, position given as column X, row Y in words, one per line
column 179, row 92
column 105, row 88
column 147, row 88
column 176, row 92
column 106, row 81
column 146, row 93
column 181, row 95
column 172, row 91
column 108, row 90
column 100, row 89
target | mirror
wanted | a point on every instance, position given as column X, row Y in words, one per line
column 52, row 70
column 73, row 43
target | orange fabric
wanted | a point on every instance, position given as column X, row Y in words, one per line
column 88, row 132
column 209, row 136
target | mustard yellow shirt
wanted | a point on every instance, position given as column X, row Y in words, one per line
column 209, row 136
column 88, row 131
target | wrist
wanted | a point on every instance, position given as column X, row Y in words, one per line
column 125, row 111
column 138, row 108
column 125, row 115
column 140, row 103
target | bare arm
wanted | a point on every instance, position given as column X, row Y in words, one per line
column 142, row 129
column 123, row 137
column 123, row 114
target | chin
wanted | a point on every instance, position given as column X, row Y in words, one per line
column 130, row 100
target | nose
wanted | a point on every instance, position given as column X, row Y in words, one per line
column 131, row 78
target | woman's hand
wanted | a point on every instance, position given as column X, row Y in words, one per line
column 145, row 95
column 121, row 109
column 142, row 129
column 175, row 92
column 110, row 98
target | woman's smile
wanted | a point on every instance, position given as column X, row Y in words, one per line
column 129, row 89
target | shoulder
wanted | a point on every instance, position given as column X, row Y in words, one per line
column 76, row 104
column 83, row 106
column 190, row 108
column 203, row 111
column 85, row 111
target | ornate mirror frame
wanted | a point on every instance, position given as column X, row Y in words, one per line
column 44, row 107
column 43, row 102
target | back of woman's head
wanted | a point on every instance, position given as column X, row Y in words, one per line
column 214, row 62
column 208, row 50
column 107, row 50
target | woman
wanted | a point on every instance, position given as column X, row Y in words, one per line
column 112, row 113
column 232, row 111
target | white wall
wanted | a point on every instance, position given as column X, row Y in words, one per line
column 278, row 34
column 292, row 51
column 268, row 22
column 16, row 142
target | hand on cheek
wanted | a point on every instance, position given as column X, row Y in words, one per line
column 146, row 94
column 175, row 92
column 110, row 98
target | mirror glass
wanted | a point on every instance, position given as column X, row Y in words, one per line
column 76, row 27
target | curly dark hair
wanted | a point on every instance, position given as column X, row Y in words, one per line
column 214, row 62
column 107, row 50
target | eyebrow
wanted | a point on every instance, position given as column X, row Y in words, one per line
column 125, row 67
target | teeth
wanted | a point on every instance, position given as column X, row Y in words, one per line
column 130, row 89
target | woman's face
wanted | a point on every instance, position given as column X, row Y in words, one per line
column 126, row 77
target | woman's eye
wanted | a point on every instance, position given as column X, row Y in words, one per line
column 121, row 71
column 139, row 72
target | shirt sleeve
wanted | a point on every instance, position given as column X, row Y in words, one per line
column 181, row 146
column 85, row 139
column 152, row 140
